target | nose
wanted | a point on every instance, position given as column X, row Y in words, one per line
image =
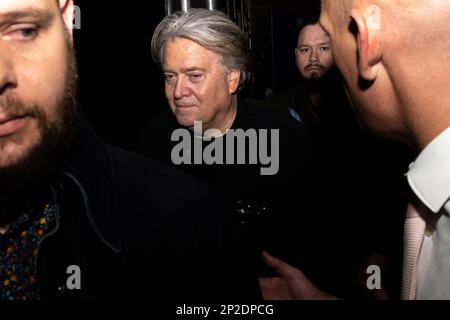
column 8, row 78
column 314, row 57
column 181, row 88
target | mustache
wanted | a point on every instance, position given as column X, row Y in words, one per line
column 314, row 65
column 13, row 107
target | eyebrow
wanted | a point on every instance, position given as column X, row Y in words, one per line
column 320, row 44
column 185, row 70
column 38, row 14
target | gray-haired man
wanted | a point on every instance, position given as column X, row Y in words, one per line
column 204, row 57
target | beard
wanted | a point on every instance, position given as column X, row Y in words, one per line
column 26, row 183
column 319, row 81
column 315, row 75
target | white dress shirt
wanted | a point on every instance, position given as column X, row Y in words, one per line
column 429, row 178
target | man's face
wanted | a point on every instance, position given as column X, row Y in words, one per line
column 196, row 83
column 35, row 63
column 313, row 52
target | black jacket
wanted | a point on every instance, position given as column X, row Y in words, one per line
column 136, row 229
column 291, row 197
column 318, row 218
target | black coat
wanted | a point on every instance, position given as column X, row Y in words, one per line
column 137, row 229
column 289, row 227
column 319, row 220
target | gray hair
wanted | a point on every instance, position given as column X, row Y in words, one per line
column 211, row 29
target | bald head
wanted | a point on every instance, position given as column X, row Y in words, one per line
column 395, row 58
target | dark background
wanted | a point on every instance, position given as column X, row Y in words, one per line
column 121, row 88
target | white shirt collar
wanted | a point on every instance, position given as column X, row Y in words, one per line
column 429, row 175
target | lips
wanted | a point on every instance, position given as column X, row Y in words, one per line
column 314, row 68
column 10, row 124
column 183, row 106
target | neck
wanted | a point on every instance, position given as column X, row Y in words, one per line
column 316, row 98
column 429, row 128
column 427, row 116
column 421, row 93
column 315, row 87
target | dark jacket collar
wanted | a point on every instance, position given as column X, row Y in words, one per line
column 88, row 167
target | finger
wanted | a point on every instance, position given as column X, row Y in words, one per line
column 270, row 261
column 281, row 268
column 299, row 286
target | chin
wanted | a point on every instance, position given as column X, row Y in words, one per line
column 186, row 119
column 16, row 148
column 315, row 76
column 185, row 122
column 13, row 155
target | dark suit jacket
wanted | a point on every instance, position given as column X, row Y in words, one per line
column 137, row 229
column 294, row 227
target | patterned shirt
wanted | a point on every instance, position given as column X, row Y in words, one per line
column 18, row 254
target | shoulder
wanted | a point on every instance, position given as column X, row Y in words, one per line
column 153, row 139
column 288, row 97
column 152, row 179
column 159, row 127
column 265, row 115
column 130, row 199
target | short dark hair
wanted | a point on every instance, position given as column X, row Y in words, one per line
column 308, row 21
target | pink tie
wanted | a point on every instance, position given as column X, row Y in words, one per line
column 412, row 239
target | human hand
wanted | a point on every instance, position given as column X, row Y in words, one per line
column 291, row 283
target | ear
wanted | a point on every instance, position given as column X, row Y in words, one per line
column 233, row 77
column 368, row 23
column 68, row 14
